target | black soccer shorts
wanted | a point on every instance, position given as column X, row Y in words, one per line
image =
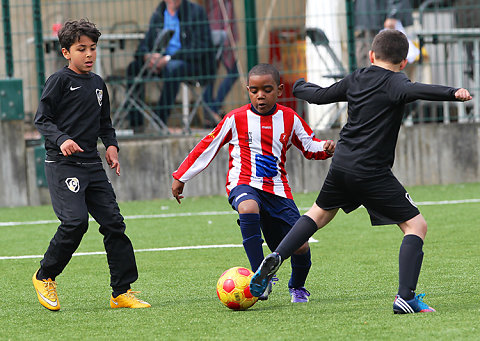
column 385, row 199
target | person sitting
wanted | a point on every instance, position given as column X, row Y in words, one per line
column 189, row 54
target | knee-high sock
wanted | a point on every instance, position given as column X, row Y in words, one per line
column 300, row 268
column 409, row 264
column 303, row 229
column 252, row 238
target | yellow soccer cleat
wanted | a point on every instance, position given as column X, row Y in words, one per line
column 46, row 292
column 128, row 300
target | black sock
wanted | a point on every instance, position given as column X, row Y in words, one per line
column 303, row 229
column 409, row 265
column 119, row 292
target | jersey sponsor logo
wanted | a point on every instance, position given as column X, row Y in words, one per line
column 99, row 96
column 73, row 184
column 410, row 199
column 266, row 166
column 74, row 88
column 266, row 127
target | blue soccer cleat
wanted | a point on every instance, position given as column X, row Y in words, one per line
column 415, row 305
column 264, row 296
column 262, row 277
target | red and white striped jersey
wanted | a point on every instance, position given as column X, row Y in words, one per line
column 257, row 146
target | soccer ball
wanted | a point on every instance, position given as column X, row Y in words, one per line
column 233, row 288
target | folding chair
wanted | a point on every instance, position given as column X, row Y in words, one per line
column 319, row 38
column 132, row 101
column 196, row 89
column 116, row 74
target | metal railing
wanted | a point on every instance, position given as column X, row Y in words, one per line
column 273, row 31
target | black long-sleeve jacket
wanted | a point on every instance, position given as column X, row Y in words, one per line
column 75, row 106
column 376, row 102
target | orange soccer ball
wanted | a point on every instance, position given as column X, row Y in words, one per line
column 233, row 288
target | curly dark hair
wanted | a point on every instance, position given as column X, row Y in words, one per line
column 72, row 30
column 390, row 46
column 265, row 69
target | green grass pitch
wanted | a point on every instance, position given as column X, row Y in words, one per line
column 353, row 279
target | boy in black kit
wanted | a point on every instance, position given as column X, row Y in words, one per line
column 74, row 111
column 360, row 173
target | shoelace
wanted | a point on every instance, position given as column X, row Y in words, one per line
column 131, row 294
column 421, row 304
column 300, row 293
column 51, row 287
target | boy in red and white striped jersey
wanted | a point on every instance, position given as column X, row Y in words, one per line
column 258, row 137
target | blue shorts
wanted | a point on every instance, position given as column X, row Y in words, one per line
column 269, row 204
column 277, row 214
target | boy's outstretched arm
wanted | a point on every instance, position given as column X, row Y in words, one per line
column 463, row 95
column 177, row 190
column 313, row 93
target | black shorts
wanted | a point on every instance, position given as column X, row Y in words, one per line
column 385, row 199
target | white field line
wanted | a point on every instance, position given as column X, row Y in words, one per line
column 173, row 248
column 171, row 215
column 141, row 250
column 214, row 213
column 128, row 217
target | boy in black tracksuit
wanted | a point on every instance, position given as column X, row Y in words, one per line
column 74, row 111
column 360, row 173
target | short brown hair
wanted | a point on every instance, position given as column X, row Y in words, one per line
column 72, row 30
column 390, row 46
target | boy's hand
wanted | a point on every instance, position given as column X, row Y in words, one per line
column 177, row 189
column 329, row 147
column 463, row 95
column 390, row 23
column 70, row 147
column 112, row 159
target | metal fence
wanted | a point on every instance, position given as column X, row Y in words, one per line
column 315, row 39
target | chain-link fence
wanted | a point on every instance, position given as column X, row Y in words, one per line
column 317, row 39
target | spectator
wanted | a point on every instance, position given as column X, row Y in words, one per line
column 189, row 53
column 221, row 15
column 466, row 16
column 373, row 15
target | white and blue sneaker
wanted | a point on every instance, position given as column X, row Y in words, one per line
column 415, row 305
column 263, row 276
